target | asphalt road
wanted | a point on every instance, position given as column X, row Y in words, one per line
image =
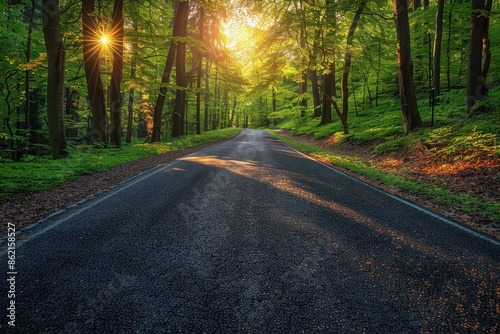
column 250, row 236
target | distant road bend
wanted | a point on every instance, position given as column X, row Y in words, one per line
column 250, row 236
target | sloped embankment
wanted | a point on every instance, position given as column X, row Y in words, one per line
column 468, row 181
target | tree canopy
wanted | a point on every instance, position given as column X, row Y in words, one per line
column 189, row 66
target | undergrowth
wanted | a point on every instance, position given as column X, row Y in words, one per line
column 452, row 132
column 466, row 202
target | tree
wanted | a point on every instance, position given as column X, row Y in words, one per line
column 477, row 70
column 436, row 68
column 407, row 95
column 180, row 71
column 347, row 66
column 130, row 106
column 55, row 82
column 329, row 89
column 199, row 70
column 167, row 71
column 91, row 51
column 115, row 98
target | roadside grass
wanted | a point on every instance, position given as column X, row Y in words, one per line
column 454, row 136
column 34, row 173
column 466, row 202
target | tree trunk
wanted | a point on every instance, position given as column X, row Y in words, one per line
column 115, row 97
column 207, row 95
column 379, row 68
column 55, row 82
column 448, row 47
column 27, row 92
column 302, row 91
column 436, row 61
column 477, row 88
column 303, row 81
column 416, row 4
column 169, row 64
column 315, row 92
column 130, row 114
column 347, row 63
column 231, row 120
column 213, row 117
column 199, row 71
column 274, row 105
column 180, row 71
column 486, row 41
column 91, row 50
column 411, row 116
column 328, row 86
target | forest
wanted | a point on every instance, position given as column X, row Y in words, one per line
column 80, row 76
column 86, row 72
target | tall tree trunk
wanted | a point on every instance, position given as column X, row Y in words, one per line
column 436, row 61
column 201, row 27
column 207, row 96
column 303, row 81
column 231, row 120
column 486, row 41
column 416, row 4
column 115, row 97
column 55, row 82
column 130, row 107
column 274, row 105
column 314, row 74
column 411, row 116
column 131, row 93
column 315, row 92
column 180, row 72
column 347, row 64
column 328, row 87
column 167, row 71
column 91, row 50
column 198, row 97
column 27, row 102
column 160, row 99
column 448, row 46
column 302, row 91
column 213, row 117
column 477, row 88
column 379, row 66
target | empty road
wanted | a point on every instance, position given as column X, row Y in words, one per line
column 251, row 236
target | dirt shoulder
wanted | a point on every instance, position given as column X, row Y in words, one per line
column 479, row 177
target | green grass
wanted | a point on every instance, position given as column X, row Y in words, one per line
column 466, row 202
column 35, row 173
column 468, row 135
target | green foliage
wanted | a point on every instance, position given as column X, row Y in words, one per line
column 35, row 173
column 469, row 144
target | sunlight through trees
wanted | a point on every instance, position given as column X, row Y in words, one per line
column 191, row 66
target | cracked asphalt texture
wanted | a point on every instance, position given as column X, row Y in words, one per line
column 252, row 237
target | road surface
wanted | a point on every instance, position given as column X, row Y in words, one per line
column 251, row 236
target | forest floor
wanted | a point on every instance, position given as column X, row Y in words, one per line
column 479, row 176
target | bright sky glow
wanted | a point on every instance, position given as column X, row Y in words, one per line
column 239, row 32
column 104, row 39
